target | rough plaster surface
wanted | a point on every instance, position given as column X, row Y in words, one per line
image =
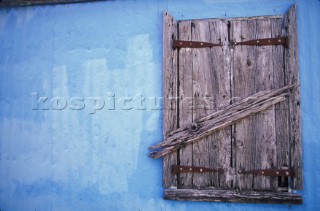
column 97, row 159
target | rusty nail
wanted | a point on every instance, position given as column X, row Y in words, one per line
column 194, row 126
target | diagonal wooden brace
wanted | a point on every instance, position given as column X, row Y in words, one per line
column 219, row 120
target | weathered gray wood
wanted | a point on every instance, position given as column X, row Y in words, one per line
column 292, row 77
column 202, row 88
column 264, row 152
column 243, row 73
column 211, row 92
column 170, row 110
column 245, row 103
column 220, row 141
column 212, row 195
column 255, row 136
column 19, row 3
column 281, row 109
column 185, row 97
column 222, row 119
column 225, row 75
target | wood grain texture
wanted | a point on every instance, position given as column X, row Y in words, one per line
column 243, row 86
column 212, row 195
column 202, row 81
column 221, row 119
column 185, row 98
column 170, row 109
column 281, row 109
column 255, row 138
column 211, row 93
column 264, row 122
column 292, row 77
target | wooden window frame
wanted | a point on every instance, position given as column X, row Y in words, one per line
column 170, row 123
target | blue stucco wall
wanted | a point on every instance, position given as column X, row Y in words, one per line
column 72, row 159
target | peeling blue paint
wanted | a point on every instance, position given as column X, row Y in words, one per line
column 72, row 160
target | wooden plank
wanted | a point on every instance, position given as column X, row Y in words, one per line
column 211, row 92
column 281, row 109
column 220, row 141
column 202, row 80
column 243, row 72
column 20, row 3
column 221, row 119
column 292, row 77
column 255, row 137
column 170, row 110
column 241, row 18
column 264, row 130
column 185, row 97
column 212, row 195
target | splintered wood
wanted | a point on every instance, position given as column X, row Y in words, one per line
column 231, row 105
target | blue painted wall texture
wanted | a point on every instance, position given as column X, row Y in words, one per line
column 77, row 56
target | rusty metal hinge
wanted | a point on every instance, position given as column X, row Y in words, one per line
column 270, row 172
column 193, row 169
column 193, row 44
column 267, row 41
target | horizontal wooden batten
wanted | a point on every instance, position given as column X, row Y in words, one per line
column 211, row 195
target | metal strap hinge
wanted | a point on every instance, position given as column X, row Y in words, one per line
column 270, row 172
column 193, row 44
column 193, row 169
column 267, row 41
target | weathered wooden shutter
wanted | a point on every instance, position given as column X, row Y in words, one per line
column 241, row 74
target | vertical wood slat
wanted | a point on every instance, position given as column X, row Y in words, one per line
column 243, row 86
column 256, row 145
column 281, row 109
column 220, row 142
column 170, row 109
column 264, row 122
column 185, row 97
column 292, row 77
column 202, row 80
